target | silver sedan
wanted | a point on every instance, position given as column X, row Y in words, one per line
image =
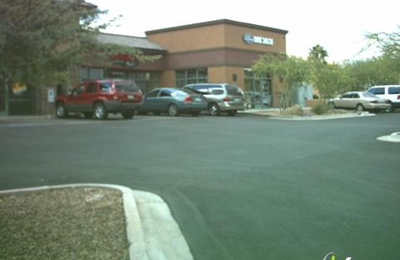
column 360, row 101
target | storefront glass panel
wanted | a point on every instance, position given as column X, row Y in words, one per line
column 258, row 89
column 191, row 76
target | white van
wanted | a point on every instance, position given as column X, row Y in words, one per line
column 388, row 92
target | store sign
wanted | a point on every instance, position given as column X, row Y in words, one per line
column 124, row 60
column 250, row 39
column 19, row 88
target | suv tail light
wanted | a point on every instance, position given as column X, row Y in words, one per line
column 226, row 99
column 398, row 97
column 188, row 99
column 138, row 97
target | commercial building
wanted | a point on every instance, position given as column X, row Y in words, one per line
column 214, row 51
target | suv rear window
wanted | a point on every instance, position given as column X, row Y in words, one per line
column 394, row 90
column 126, row 86
column 200, row 88
column 217, row 91
column 377, row 91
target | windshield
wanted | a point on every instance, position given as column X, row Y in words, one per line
column 368, row 94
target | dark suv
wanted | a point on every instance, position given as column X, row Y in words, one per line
column 98, row 98
column 221, row 97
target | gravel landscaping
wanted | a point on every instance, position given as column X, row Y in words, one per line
column 70, row 223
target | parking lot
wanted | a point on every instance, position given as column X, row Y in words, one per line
column 242, row 187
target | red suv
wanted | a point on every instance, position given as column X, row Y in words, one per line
column 100, row 97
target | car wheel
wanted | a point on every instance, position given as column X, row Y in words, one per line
column 100, row 112
column 232, row 113
column 391, row 108
column 213, row 109
column 61, row 111
column 173, row 110
column 360, row 108
column 128, row 115
column 88, row 115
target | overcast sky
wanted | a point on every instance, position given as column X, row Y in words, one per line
column 339, row 26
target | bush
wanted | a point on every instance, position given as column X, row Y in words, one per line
column 320, row 109
column 295, row 110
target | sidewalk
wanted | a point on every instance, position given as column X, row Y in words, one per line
column 274, row 113
column 152, row 232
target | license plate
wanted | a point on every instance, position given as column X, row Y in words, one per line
column 236, row 100
column 130, row 97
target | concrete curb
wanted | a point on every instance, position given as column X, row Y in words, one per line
column 326, row 117
column 307, row 117
column 394, row 138
column 148, row 238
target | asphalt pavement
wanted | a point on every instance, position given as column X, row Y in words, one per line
column 152, row 231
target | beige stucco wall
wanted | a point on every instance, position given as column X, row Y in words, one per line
column 167, row 79
column 220, row 35
column 225, row 74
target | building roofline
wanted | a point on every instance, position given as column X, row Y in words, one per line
column 215, row 22
column 123, row 35
column 142, row 43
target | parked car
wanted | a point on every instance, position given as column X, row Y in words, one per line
column 221, row 97
column 388, row 92
column 101, row 97
column 173, row 102
column 360, row 101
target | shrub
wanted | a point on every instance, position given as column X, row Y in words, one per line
column 320, row 109
column 295, row 110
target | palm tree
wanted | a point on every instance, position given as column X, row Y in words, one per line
column 318, row 53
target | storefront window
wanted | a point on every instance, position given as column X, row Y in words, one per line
column 145, row 80
column 190, row 76
column 91, row 73
column 258, row 89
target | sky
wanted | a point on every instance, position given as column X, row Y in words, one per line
column 339, row 26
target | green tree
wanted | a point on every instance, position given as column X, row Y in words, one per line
column 41, row 39
column 389, row 45
column 43, row 36
column 329, row 79
column 374, row 71
column 290, row 72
